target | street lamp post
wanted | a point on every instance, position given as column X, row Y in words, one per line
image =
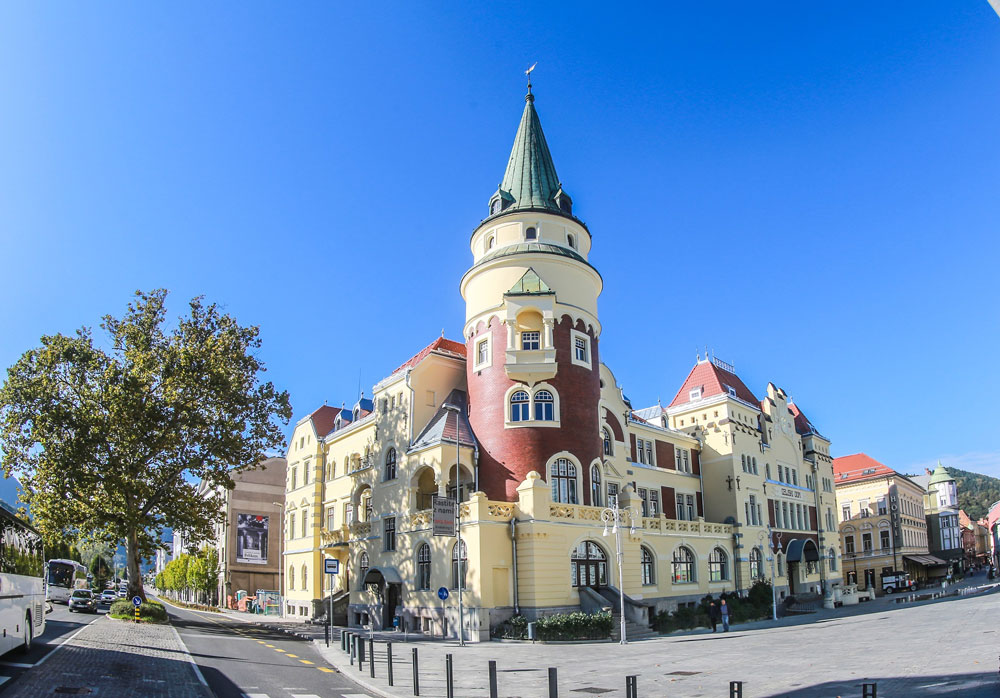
column 774, row 577
column 281, row 561
column 458, row 522
column 617, row 518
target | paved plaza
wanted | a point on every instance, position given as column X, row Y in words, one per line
column 115, row 659
column 941, row 648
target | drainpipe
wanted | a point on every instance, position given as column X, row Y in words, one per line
column 409, row 419
column 513, row 548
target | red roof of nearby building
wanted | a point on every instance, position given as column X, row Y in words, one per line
column 323, row 419
column 858, row 467
column 713, row 380
column 445, row 346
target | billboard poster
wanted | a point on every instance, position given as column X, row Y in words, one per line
column 444, row 516
column 251, row 539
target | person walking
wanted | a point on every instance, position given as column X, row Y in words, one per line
column 713, row 615
column 724, row 612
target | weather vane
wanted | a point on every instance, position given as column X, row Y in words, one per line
column 528, row 73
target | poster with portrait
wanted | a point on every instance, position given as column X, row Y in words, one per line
column 251, row 539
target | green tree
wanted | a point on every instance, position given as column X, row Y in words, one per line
column 101, row 569
column 109, row 443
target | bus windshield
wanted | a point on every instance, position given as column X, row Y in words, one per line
column 61, row 575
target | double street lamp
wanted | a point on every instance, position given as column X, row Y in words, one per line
column 769, row 537
column 617, row 518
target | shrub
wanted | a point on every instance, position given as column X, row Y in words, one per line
column 560, row 626
column 149, row 611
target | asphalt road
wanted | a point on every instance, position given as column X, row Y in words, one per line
column 241, row 660
column 59, row 626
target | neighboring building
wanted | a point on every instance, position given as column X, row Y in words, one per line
column 975, row 540
column 247, row 544
column 524, row 424
column 941, row 509
column 161, row 560
column 882, row 523
column 993, row 530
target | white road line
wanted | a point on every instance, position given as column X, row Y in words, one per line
column 60, row 645
column 355, row 695
column 4, row 679
column 256, row 695
column 194, row 664
column 307, row 695
column 18, row 665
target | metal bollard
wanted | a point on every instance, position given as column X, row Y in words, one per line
column 360, row 642
column 449, row 676
column 493, row 679
column 735, row 689
column 631, row 687
column 326, row 634
column 553, row 683
column 416, row 674
column 869, row 690
column 343, row 641
column 352, row 647
column 388, row 660
column 371, row 656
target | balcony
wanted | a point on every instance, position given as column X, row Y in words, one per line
column 531, row 365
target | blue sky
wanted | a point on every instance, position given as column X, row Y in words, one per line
column 810, row 190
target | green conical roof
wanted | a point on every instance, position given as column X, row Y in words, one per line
column 940, row 474
column 530, row 179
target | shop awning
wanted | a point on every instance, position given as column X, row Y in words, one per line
column 376, row 574
column 797, row 547
column 925, row 560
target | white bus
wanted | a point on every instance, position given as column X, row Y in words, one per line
column 22, row 582
column 63, row 577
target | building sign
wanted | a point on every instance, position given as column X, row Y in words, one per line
column 251, row 539
column 894, row 517
column 794, row 494
column 444, row 512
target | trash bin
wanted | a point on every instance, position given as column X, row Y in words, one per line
column 531, row 631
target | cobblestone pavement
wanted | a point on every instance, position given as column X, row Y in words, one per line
column 943, row 648
column 115, row 659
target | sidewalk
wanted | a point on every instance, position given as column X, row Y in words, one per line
column 825, row 654
column 115, row 659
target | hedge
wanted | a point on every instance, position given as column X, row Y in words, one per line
column 560, row 626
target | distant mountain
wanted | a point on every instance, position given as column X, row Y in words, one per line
column 8, row 492
column 975, row 492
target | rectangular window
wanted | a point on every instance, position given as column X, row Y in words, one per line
column 530, row 341
column 863, row 508
column 654, row 503
column 649, row 453
column 681, row 509
column 331, row 518
column 291, row 525
column 884, row 539
column 753, row 511
column 800, row 514
column 293, row 481
column 746, row 511
column 482, row 351
column 305, row 474
column 677, row 458
column 389, row 533
column 582, row 350
column 644, row 496
column 686, row 463
column 882, row 509
column 431, row 398
column 845, row 512
column 795, row 478
column 348, row 513
column 849, row 544
column 866, row 542
column 640, row 455
column 612, row 494
column 305, row 524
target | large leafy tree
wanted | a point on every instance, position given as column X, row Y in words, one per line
column 110, row 442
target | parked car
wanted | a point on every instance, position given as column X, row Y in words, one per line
column 83, row 600
column 109, row 596
column 897, row 581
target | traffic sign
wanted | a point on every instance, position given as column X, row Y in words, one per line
column 331, row 565
column 442, row 593
column 136, row 601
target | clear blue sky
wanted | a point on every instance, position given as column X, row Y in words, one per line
column 809, row 189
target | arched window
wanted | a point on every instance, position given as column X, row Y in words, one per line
column 495, row 206
column 291, row 577
column 608, row 443
column 305, row 523
column 833, row 560
column 543, row 406
column 331, row 469
column 491, row 241
column 571, row 240
column 530, row 234
column 754, row 466
column 305, row 578
column 519, row 406
column 457, row 574
column 781, row 565
column 390, row 464
column 595, row 486
column 767, row 470
column 756, row 569
column 683, row 566
column 562, row 477
column 362, row 569
column 424, row 566
column 648, row 571
column 718, row 565
column 588, row 565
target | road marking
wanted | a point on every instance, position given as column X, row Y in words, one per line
column 256, row 695
column 4, row 679
column 17, row 665
column 326, row 670
column 267, row 645
column 304, row 661
column 355, row 695
column 293, row 656
column 194, row 665
column 59, row 646
column 310, row 695
column 261, row 642
column 278, row 649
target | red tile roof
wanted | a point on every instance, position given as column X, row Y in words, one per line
column 802, row 423
column 446, row 346
column 323, row 419
column 857, row 467
column 712, row 380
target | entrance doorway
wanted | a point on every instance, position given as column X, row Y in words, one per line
column 589, row 565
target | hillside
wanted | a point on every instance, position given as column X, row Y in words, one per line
column 975, row 492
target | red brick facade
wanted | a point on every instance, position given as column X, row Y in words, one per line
column 506, row 456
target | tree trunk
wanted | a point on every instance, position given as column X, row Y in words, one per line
column 132, row 563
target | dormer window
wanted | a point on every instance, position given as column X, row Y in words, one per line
column 530, row 234
column 495, row 206
column 732, row 391
column 695, row 394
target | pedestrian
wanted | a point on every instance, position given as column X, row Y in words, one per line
column 724, row 610
column 713, row 615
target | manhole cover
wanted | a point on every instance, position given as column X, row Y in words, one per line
column 683, row 673
column 73, row 691
column 591, row 689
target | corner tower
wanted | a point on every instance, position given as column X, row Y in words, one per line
column 532, row 330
